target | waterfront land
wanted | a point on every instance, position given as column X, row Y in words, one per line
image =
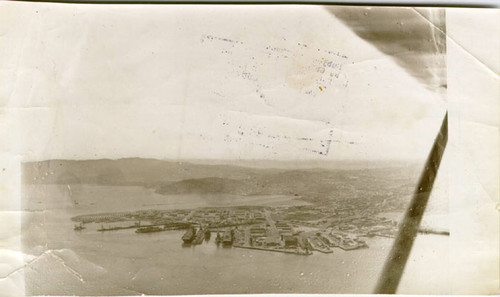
column 290, row 229
column 321, row 208
column 281, row 229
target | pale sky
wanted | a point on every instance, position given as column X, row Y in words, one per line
column 211, row 82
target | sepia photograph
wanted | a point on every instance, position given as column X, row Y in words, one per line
column 240, row 149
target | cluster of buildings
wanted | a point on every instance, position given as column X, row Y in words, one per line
column 344, row 241
column 226, row 217
column 291, row 229
column 284, row 238
column 154, row 216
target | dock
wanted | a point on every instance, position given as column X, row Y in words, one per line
column 273, row 250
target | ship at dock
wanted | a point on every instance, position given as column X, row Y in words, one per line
column 149, row 229
column 102, row 229
column 227, row 238
column 200, row 235
column 189, row 235
column 176, row 226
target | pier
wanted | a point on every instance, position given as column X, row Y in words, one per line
column 304, row 253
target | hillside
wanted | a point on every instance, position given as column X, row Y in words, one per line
column 312, row 185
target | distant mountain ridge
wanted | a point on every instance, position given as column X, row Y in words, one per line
column 129, row 171
column 174, row 178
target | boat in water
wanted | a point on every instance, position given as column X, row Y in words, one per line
column 189, row 235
